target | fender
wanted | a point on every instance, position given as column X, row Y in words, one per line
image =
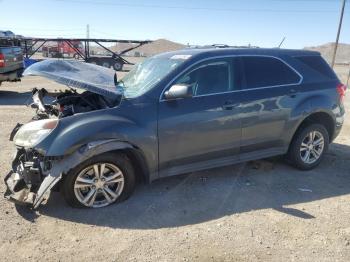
column 310, row 105
column 78, row 130
column 60, row 167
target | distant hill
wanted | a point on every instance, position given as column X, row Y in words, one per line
column 156, row 47
column 326, row 50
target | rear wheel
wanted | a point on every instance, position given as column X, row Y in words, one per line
column 99, row 181
column 118, row 66
column 308, row 146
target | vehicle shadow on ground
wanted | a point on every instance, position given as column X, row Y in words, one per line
column 212, row 194
column 10, row 98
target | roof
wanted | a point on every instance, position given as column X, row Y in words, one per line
column 240, row 51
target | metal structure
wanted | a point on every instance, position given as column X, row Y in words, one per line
column 115, row 58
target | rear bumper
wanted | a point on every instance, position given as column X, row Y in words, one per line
column 11, row 76
column 336, row 133
column 339, row 113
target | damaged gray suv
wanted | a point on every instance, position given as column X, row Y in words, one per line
column 173, row 113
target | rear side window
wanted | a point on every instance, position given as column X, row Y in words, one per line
column 318, row 64
column 267, row 71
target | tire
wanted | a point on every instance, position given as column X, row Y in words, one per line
column 305, row 152
column 117, row 66
column 75, row 189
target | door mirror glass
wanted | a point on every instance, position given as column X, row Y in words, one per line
column 178, row 91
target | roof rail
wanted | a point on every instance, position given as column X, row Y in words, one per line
column 220, row 46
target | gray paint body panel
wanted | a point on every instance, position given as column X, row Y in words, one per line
column 190, row 134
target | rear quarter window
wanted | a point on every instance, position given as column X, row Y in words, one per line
column 266, row 72
column 318, row 64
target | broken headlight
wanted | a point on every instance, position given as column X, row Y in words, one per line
column 32, row 133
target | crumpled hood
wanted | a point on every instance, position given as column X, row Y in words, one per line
column 96, row 79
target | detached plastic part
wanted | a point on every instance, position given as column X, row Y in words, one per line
column 17, row 191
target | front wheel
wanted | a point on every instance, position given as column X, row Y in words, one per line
column 99, row 181
column 308, row 146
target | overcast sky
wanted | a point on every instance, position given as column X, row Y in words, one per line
column 235, row 22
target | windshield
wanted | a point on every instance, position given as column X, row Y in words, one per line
column 144, row 76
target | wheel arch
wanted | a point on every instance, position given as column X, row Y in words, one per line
column 133, row 152
column 138, row 161
column 319, row 117
column 95, row 148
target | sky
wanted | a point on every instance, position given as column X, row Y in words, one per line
column 197, row 22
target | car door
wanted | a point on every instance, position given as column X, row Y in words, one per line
column 204, row 130
column 269, row 88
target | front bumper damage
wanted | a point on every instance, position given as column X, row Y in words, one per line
column 33, row 175
column 31, row 179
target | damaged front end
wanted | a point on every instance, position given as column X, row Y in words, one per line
column 33, row 173
column 30, row 178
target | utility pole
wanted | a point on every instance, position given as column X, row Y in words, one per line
column 87, row 43
column 338, row 34
column 87, row 31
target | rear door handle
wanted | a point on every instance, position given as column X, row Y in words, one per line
column 228, row 105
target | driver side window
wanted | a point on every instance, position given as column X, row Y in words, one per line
column 208, row 78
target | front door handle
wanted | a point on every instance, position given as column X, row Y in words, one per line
column 292, row 92
column 229, row 105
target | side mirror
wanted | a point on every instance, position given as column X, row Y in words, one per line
column 178, row 91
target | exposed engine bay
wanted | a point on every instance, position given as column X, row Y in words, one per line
column 32, row 173
column 68, row 102
column 90, row 88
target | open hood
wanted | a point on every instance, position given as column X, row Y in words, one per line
column 96, row 79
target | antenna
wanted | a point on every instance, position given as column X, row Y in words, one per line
column 284, row 38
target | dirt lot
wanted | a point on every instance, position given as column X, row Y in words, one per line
column 264, row 210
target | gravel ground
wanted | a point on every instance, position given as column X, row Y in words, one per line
column 262, row 210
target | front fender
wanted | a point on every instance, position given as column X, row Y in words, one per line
column 78, row 130
column 63, row 166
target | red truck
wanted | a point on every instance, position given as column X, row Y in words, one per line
column 61, row 49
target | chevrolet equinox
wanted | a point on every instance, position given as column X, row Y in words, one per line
column 174, row 113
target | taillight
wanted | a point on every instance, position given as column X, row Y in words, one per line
column 2, row 60
column 341, row 89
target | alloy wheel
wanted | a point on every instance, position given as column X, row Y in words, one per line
column 312, row 147
column 99, row 185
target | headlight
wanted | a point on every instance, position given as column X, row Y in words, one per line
column 32, row 133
